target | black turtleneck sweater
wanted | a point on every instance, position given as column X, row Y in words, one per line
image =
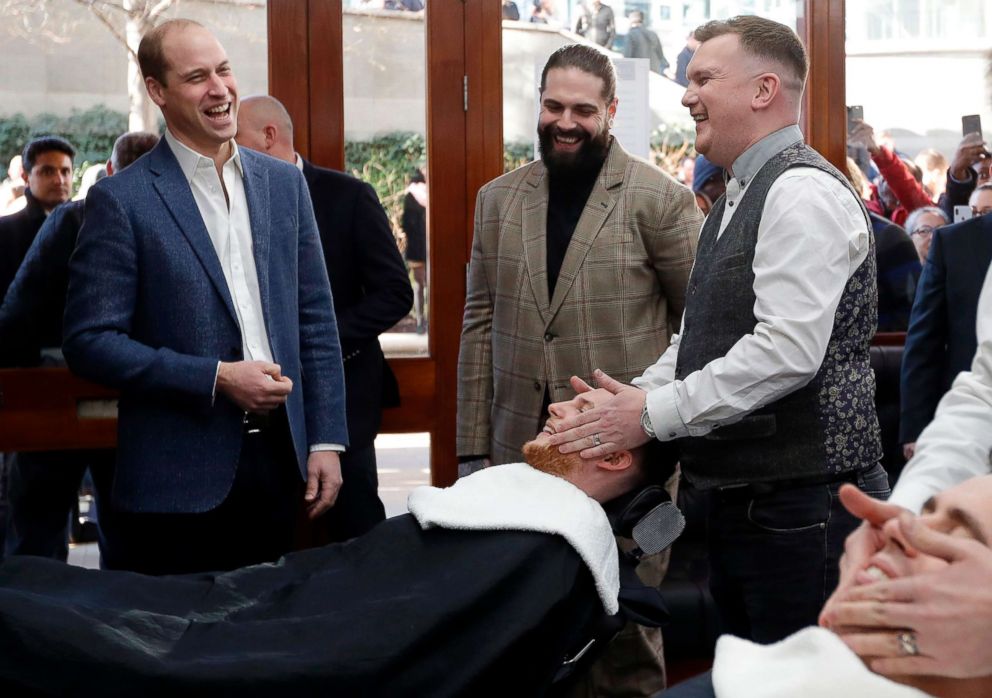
column 567, row 197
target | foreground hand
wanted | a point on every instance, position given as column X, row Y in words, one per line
column 615, row 425
column 972, row 149
column 863, row 134
column 864, row 542
column 323, row 482
column 254, row 386
column 949, row 610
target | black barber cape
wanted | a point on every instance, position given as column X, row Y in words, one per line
column 398, row 612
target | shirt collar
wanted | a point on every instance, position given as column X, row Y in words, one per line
column 189, row 159
column 753, row 159
column 299, row 162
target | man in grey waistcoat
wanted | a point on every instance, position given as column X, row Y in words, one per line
column 768, row 386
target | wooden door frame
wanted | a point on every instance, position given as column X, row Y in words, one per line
column 464, row 49
column 306, row 73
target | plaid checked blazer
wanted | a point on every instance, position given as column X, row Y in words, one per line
column 618, row 298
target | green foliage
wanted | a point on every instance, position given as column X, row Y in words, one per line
column 516, row 154
column 91, row 132
column 670, row 144
column 387, row 162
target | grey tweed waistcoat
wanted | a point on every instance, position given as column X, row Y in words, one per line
column 829, row 426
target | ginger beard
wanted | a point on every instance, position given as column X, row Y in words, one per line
column 542, row 456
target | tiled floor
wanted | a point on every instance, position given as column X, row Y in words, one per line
column 404, row 463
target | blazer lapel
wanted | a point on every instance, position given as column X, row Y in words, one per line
column 533, row 225
column 177, row 197
column 256, row 180
column 601, row 201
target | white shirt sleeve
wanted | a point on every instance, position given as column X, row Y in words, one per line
column 957, row 444
column 812, row 236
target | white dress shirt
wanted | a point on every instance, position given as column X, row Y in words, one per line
column 812, row 237
column 227, row 223
column 223, row 207
column 957, row 444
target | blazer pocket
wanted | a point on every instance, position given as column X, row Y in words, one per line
column 754, row 427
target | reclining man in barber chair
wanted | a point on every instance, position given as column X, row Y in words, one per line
column 816, row 662
column 467, row 595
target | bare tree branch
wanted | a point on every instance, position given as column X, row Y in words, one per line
column 250, row 4
column 161, row 7
column 99, row 14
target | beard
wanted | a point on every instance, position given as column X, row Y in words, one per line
column 584, row 163
column 547, row 459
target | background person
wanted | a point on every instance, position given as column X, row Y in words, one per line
column 47, row 172
column 414, row 225
column 43, row 486
column 371, row 293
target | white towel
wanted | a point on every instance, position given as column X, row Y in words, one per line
column 812, row 663
column 516, row 497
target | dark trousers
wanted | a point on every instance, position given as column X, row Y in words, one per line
column 358, row 507
column 774, row 557
column 697, row 687
column 43, row 488
column 255, row 523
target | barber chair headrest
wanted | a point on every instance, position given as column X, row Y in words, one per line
column 649, row 517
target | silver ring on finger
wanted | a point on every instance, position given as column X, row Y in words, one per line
column 596, row 441
column 907, row 643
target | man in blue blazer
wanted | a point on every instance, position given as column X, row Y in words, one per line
column 372, row 293
column 198, row 289
column 941, row 340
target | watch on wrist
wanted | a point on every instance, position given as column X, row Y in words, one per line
column 646, row 422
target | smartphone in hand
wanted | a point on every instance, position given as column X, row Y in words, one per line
column 972, row 123
column 855, row 113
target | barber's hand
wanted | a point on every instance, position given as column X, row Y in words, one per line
column 864, row 542
column 617, row 423
column 970, row 150
column 323, row 482
column 909, row 450
column 863, row 134
column 254, row 386
column 948, row 609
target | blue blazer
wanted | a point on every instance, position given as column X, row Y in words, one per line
column 149, row 313
column 941, row 341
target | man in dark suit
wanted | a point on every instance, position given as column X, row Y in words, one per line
column 47, row 163
column 46, row 168
column 198, row 289
column 371, row 294
column 644, row 43
column 43, row 486
column 941, row 340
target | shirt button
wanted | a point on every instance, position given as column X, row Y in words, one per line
column 548, row 337
column 730, row 203
column 537, row 385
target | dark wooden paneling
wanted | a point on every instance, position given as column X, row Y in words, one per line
column 824, row 117
column 416, row 378
column 289, row 67
column 326, row 84
column 484, row 134
column 38, row 411
column 447, row 213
